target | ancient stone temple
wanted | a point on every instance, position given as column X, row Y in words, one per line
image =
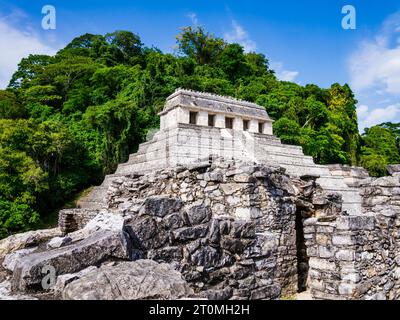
column 214, row 206
column 195, row 126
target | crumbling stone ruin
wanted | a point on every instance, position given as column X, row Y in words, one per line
column 215, row 207
column 358, row 256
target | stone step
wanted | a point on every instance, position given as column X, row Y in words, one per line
column 278, row 157
column 141, row 166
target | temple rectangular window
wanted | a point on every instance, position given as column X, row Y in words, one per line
column 193, row 117
column 261, row 127
column 228, row 123
column 211, row 120
column 246, row 125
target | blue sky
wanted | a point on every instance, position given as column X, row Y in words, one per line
column 303, row 39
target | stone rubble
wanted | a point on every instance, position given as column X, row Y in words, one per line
column 228, row 229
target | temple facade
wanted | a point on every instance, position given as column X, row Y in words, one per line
column 212, row 111
column 195, row 126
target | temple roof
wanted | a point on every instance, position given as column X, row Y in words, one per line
column 214, row 103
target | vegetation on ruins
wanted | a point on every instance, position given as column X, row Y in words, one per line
column 67, row 120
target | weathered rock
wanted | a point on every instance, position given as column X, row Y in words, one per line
column 65, row 279
column 160, row 206
column 103, row 221
column 231, row 188
column 58, row 242
column 12, row 259
column 146, row 233
column 191, row 233
column 243, row 229
column 139, row 280
column 7, row 294
column 25, row 240
column 199, row 214
column 353, row 256
column 97, row 248
column 214, row 177
column 70, row 220
column 394, row 169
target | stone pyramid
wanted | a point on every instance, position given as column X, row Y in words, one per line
column 195, row 126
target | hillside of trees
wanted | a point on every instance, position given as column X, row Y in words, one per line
column 67, row 120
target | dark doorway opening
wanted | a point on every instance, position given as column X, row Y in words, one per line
column 302, row 258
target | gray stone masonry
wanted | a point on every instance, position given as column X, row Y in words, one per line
column 358, row 257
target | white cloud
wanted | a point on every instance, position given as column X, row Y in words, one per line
column 17, row 44
column 369, row 118
column 282, row 74
column 193, row 17
column 374, row 69
column 362, row 111
column 239, row 35
column 376, row 63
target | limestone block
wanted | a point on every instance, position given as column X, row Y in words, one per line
column 322, row 264
column 248, row 213
column 351, row 277
column 361, row 222
column 27, row 239
column 347, row 289
column 345, row 255
column 344, row 240
column 96, row 248
column 12, row 259
column 160, row 206
column 325, row 252
column 140, row 280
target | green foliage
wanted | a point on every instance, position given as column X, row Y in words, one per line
column 380, row 148
column 199, row 45
column 67, row 120
column 10, row 107
column 16, row 217
column 288, row 130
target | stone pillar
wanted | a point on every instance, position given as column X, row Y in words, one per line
column 268, row 128
column 219, row 121
column 162, row 122
column 253, row 126
column 238, row 124
column 183, row 115
column 202, row 119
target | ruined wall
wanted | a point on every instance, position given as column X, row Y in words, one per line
column 70, row 220
column 358, row 257
column 235, row 230
column 229, row 227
